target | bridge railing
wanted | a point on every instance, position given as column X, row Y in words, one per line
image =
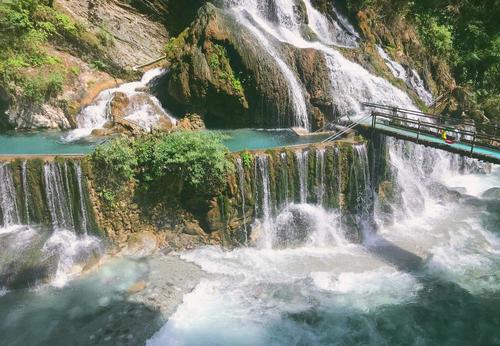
column 470, row 137
column 491, row 129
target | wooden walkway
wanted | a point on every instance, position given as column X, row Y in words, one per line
column 464, row 138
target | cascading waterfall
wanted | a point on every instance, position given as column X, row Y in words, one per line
column 29, row 250
column 8, row 198
column 285, row 199
column 411, row 78
column 144, row 110
column 295, row 89
column 265, row 201
column 351, row 83
column 26, row 192
column 58, row 196
column 363, row 193
column 83, row 204
column 241, row 182
column 320, row 176
column 302, row 158
column 330, row 31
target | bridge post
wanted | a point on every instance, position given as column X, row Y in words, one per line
column 418, row 131
column 472, row 144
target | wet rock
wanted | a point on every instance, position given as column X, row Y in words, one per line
column 191, row 122
column 119, row 105
column 218, row 69
column 493, row 193
column 137, row 287
column 193, row 228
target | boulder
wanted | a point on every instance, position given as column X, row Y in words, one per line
column 493, row 193
column 119, row 105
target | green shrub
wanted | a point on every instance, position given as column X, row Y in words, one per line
column 115, row 163
column 198, row 159
column 246, row 158
column 41, row 88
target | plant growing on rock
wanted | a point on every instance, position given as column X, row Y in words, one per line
column 114, row 163
column 198, row 159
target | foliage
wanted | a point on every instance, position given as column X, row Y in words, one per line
column 115, row 163
column 175, row 45
column 198, row 160
column 465, row 34
column 27, row 69
column 246, row 158
column 218, row 61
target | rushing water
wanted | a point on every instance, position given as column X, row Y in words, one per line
column 45, row 229
column 144, row 110
column 412, row 78
column 425, row 273
column 429, row 276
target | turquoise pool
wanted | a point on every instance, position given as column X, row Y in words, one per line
column 51, row 143
column 254, row 139
column 42, row 143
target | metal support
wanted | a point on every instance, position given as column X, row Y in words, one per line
column 418, row 131
column 472, row 144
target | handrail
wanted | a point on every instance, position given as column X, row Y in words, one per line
column 350, row 127
column 436, row 126
column 491, row 141
column 493, row 125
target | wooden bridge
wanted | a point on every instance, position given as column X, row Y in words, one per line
column 462, row 137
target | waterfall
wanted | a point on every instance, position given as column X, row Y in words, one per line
column 83, row 204
column 8, row 198
column 296, row 94
column 302, row 158
column 412, row 79
column 363, row 192
column 66, row 197
column 241, row 181
column 331, row 32
column 58, row 197
column 26, row 192
column 320, row 176
column 285, row 193
column 351, row 83
column 265, row 202
column 144, row 110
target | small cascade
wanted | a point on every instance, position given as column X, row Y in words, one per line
column 302, row 158
column 26, row 191
column 241, row 181
column 45, row 223
column 331, row 32
column 8, row 199
column 144, row 109
column 320, row 176
column 66, row 196
column 264, row 201
column 284, row 183
column 58, row 195
column 410, row 77
column 83, row 204
column 361, row 191
column 241, row 10
column 335, row 179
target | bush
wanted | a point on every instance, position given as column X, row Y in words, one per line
column 198, row 159
column 115, row 163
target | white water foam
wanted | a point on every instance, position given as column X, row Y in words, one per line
column 410, row 77
column 145, row 114
column 72, row 251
